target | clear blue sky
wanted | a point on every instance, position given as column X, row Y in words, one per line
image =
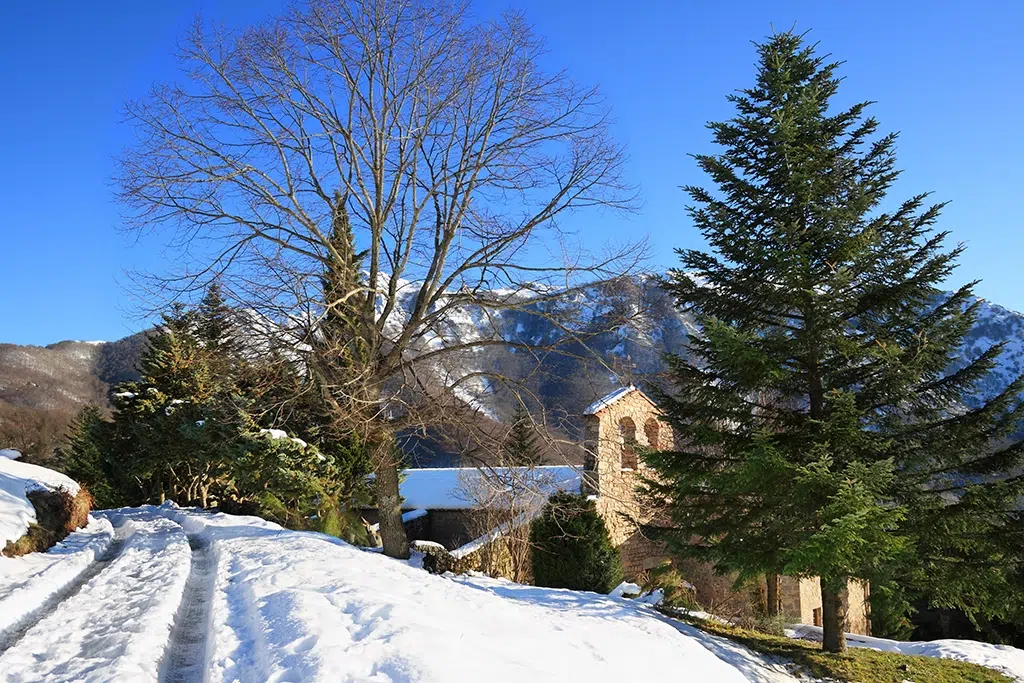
column 947, row 75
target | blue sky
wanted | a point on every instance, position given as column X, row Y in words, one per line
column 947, row 75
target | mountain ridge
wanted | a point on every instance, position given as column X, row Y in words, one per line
column 59, row 378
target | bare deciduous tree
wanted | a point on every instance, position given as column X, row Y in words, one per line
column 454, row 155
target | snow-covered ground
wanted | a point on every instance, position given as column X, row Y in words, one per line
column 17, row 479
column 1005, row 658
column 255, row 602
column 171, row 594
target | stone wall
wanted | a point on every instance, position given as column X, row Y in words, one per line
column 801, row 600
column 614, row 471
column 858, row 610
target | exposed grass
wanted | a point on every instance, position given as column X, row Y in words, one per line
column 858, row 664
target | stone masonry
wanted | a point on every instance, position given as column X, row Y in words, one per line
column 614, row 427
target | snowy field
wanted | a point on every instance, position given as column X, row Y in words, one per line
column 163, row 593
column 170, row 594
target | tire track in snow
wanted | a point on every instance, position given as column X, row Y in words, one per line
column 11, row 637
column 185, row 660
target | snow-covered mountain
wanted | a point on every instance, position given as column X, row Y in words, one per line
column 623, row 331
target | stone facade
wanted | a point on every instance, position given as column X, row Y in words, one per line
column 614, row 426
column 614, row 429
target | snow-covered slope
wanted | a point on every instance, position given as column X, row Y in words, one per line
column 17, row 479
column 191, row 596
column 180, row 595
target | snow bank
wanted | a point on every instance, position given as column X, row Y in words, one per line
column 1005, row 658
column 17, row 479
column 10, row 453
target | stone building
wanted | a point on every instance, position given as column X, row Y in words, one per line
column 466, row 509
column 615, row 426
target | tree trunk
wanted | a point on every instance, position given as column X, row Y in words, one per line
column 389, row 509
column 833, row 620
column 774, row 595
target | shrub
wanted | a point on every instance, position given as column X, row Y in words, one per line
column 571, row 546
column 679, row 593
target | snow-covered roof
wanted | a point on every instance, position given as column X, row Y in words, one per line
column 462, row 488
column 16, row 480
column 605, row 401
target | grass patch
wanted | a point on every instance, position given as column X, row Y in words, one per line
column 858, row 664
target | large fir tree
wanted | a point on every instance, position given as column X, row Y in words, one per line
column 822, row 427
column 337, row 357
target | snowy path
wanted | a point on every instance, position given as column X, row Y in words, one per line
column 14, row 633
column 185, row 659
column 193, row 597
column 28, row 584
column 116, row 626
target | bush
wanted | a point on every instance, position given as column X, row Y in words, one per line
column 571, row 547
column 679, row 593
column 773, row 626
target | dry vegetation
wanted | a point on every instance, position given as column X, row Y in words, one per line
column 58, row 513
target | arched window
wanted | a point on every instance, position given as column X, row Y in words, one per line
column 651, row 431
column 627, row 432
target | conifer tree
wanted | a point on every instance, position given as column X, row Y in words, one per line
column 823, row 431
column 338, row 357
column 82, row 458
column 156, row 431
column 215, row 329
column 344, row 349
column 520, row 448
column 571, row 547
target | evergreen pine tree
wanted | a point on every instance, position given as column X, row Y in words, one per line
column 338, row 356
column 82, row 458
column 162, row 433
column 520, row 448
column 343, row 345
column 823, row 432
column 215, row 329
